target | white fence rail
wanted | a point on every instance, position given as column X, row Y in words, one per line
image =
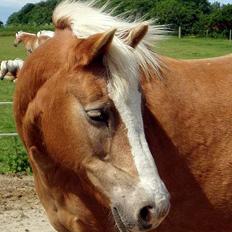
column 8, row 134
column 6, row 103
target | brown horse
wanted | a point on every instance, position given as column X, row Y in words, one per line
column 83, row 126
column 30, row 40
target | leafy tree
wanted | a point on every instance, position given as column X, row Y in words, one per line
column 176, row 13
column 221, row 19
column 194, row 16
column 1, row 24
column 35, row 14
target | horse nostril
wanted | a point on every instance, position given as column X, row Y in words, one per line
column 145, row 216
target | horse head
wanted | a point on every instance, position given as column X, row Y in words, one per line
column 85, row 117
column 18, row 38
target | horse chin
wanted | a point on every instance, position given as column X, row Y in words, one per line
column 120, row 225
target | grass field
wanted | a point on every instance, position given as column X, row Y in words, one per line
column 185, row 48
column 9, row 146
column 194, row 48
column 8, row 51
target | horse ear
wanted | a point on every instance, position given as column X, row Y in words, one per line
column 136, row 35
column 94, row 46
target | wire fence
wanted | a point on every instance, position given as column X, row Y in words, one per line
column 13, row 157
column 13, row 135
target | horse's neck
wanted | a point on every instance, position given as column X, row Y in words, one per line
column 188, row 123
column 189, row 174
column 182, row 101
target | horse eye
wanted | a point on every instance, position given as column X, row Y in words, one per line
column 98, row 116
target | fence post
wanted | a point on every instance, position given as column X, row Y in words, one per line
column 179, row 32
column 230, row 36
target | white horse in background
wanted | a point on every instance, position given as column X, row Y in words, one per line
column 45, row 33
column 12, row 67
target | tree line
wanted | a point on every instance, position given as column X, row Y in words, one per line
column 196, row 17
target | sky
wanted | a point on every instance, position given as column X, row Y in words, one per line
column 7, row 7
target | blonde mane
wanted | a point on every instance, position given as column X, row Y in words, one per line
column 124, row 63
column 21, row 33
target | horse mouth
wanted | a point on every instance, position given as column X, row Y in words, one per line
column 121, row 226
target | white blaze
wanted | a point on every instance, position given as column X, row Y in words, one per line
column 123, row 90
column 130, row 111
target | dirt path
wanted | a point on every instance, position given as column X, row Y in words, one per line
column 20, row 210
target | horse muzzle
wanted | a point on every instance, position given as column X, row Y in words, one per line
column 140, row 214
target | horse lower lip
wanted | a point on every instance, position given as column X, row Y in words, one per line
column 118, row 220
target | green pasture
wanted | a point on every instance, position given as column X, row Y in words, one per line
column 193, row 48
column 185, row 48
column 10, row 30
column 11, row 150
column 8, row 51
